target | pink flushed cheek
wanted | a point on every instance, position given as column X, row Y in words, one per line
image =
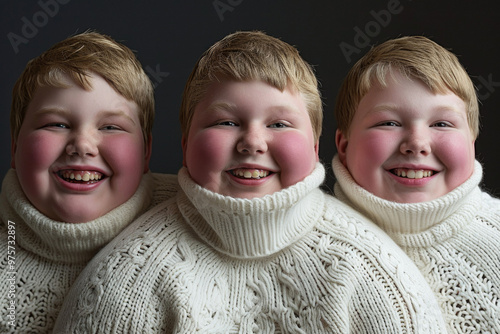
column 125, row 158
column 295, row 156
column 36, row 154
column 207, row 156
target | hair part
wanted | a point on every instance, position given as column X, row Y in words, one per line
column 415, row 57
column 78, row 57
column 252, row 55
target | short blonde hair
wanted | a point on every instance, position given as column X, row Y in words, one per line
column 414, row 57
column 78, row 56
column 252, row 55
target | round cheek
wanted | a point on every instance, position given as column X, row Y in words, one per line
column 207, row 155
column 296, row 156
column 457, row 154
column 34, row 156
column 365, row 156
column 125, row 156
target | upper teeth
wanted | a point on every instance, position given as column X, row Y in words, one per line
column 412, row 173
column 250, row 173
column 81, row 175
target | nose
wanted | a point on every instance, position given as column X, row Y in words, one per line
column 252, row 141
column 416, row 142
column 82, row 144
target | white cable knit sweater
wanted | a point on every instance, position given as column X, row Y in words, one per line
column 454, row 240
column 296, row 261
column 41, row 257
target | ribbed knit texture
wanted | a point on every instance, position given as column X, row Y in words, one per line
column 296, row 261
column 454, row 240
column 48, row 255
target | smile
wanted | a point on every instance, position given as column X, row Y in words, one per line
column 245, row 173
column 412, row 173
column 80, row 176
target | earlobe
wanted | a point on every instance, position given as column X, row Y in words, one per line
column 341, row 143
column 316, row 151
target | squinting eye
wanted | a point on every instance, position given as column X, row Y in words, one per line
column 227, row 123
column 110, row 127
column 441, row 124
column 388, row 123
column 56, row 125
column 278, row 125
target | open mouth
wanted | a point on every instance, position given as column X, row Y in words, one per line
column 412, row 173
column 244, row 173
column 80, row 176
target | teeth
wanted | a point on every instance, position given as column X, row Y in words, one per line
column 412, row 173
column 81, row 176
column 250, row 173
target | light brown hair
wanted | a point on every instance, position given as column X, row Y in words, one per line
column 78, row 56
column 252, row 55
column 414, row 57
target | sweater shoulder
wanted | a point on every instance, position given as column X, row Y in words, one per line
column 165, row 187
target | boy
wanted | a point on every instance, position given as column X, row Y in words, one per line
column 408, row 118
column 250, row 243
column 81, row 121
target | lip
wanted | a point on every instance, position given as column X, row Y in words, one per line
column 79, row 187
column 412, row 182
column 250, row 181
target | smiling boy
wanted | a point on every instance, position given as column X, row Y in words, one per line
column 250, row 243
column 81, row 122
column 408, row 118
column 80, row 153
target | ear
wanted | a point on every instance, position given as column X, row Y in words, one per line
column 148, row 148
column 13, row 148
column 184, row 150
column 341, row 142
column 316, row 150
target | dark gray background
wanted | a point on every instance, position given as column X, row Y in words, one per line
column 169, row 36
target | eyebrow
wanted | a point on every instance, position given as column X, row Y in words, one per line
column 225, row 106
column 119, row 113
column 393, row 107
column 104, row 113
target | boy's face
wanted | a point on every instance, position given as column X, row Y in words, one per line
column 80, row 154
column 407, row 144
column 248, row 139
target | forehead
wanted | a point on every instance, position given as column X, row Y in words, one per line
column 71, row 97
column 252, row 95
column 400, row 93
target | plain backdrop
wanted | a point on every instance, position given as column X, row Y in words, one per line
column 169, row 36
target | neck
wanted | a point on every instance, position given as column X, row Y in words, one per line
column 258, row 227
column 409, row 218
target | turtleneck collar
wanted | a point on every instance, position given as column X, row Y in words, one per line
column 252, row 228
column 65, row 242
column 413, row 224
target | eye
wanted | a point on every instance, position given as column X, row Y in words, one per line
column 56, row 125
column 110, row 127
column 278, row 125
column 441, row 125
column 227, row 123
column 388, row 123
